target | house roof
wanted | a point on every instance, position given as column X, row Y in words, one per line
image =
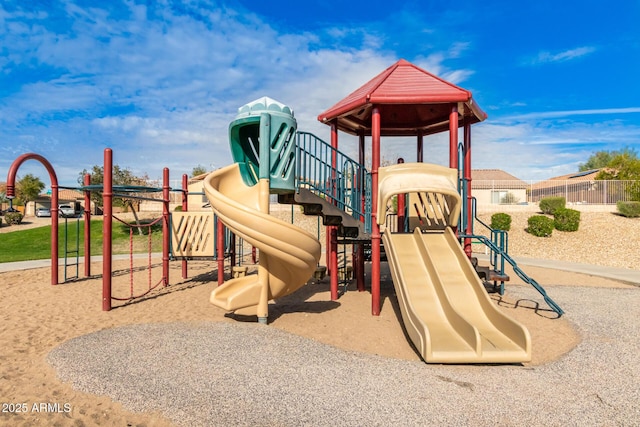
column 65, row 194
column 576, row 177
column 410, row 100
column 495, row 179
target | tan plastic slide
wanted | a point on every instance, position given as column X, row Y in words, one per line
column 445, row 308
column 288, row 253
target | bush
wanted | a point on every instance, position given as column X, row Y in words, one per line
column 509, row 199
column 629, row 209
column 0, row 222
column 540, row 226
column 13, row 218
column 566, row 219
column 548, row 205
column 501, row 221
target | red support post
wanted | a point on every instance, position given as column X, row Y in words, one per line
column 87, row 227
column 185, row 208
column 332, row 242
column 165, row 225
column 375, row 228
column 107, row 224
column 453, row 145
column 453, row 137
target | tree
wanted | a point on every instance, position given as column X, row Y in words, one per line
column 29, row 188
column 121, row 177
column 198, row 170
column 602, row 159
column 624, row 166
column 598, row 160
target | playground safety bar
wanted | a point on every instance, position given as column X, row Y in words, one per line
column 347, row 184
column 529, row 280
column 499, row 238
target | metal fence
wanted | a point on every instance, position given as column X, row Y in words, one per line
column 604, row 192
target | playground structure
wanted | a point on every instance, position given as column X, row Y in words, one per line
column 108, row 191
column 444, row 305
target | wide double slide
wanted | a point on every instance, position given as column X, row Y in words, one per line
column 288, row 254
column 446, row 311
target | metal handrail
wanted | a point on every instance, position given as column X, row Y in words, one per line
column 498, row 243
column 499, row 238
column 551, row 303
column 347, row 185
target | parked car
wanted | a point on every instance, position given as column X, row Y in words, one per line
column 43, row 212
column 66, row 211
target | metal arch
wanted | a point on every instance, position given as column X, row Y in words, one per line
column 11, row 183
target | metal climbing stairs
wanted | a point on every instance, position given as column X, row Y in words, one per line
column 71, row 254
column 498, row 256
column 519, row 272
column 341, row 195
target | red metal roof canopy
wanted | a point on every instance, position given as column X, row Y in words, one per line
column 410, row 100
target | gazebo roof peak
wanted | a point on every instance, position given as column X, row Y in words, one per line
column 412, row 99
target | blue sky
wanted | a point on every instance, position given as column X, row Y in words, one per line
column 159, row 82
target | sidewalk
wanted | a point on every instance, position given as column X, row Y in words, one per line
column 41, row 263
column 621, row 274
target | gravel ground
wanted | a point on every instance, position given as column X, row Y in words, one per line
column 201, row 374
column 602, row 238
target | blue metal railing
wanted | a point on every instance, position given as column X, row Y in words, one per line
column 347, row 185
column 498, row 242
column 551, row 303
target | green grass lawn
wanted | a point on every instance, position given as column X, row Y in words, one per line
column 35, row 243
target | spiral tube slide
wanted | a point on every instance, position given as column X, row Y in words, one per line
column 288, row 254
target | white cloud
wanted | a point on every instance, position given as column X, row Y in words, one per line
column 535, row 147
column 544, row 57
column 161, row 92
column 568, row 113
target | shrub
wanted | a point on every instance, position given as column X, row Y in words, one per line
column 548, row 205
column 0, row 222
column 629, row 209
column 509, row 199
column 566, row 219
column 540, row 225
column 178, row 208
column 13, row 218
column 501, row 221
